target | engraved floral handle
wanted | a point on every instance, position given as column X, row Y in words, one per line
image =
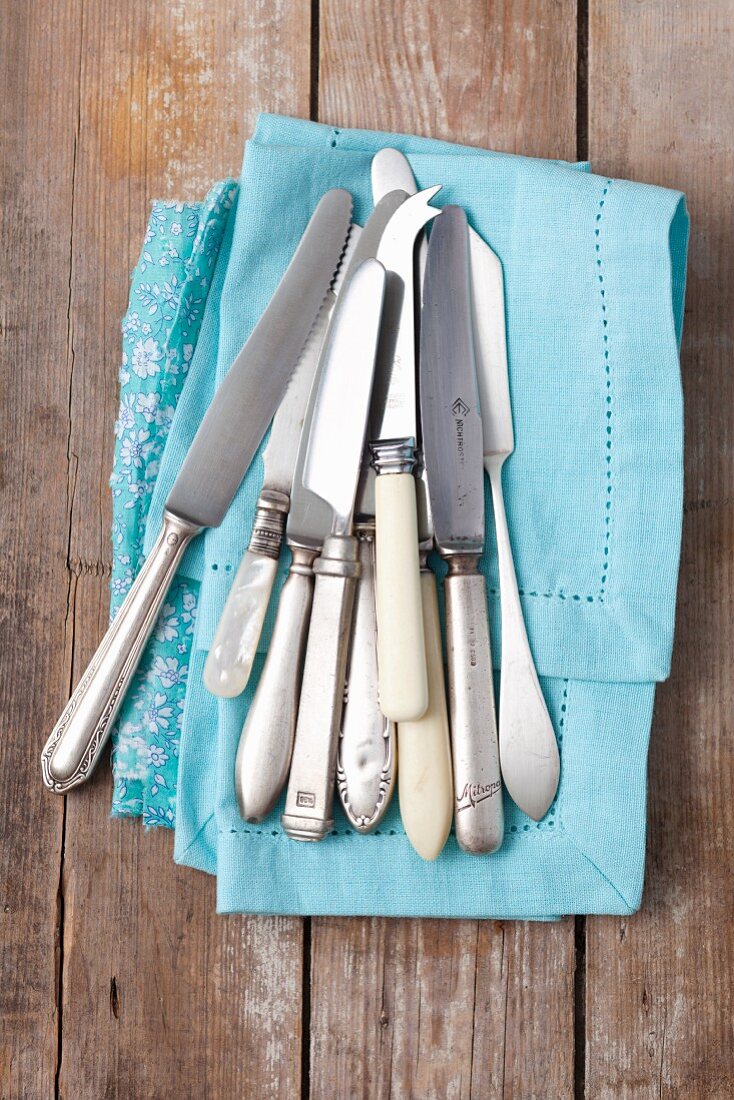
column 234, row 646
column 367, row 760
column 74, row 747
column 479, row 817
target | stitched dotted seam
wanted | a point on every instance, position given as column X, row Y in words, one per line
column 607, row 385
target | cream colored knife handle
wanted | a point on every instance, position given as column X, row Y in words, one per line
column 528, row 746
column 233, row 649
column 400, row 644
column 479, row 817
column 74, row 747
column 425, row 775
column 266, row 742
column 367, row 756
column 310, row 797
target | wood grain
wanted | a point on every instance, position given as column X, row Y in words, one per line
column 446, row 1009
column 153, row 987
column 481, row 72
column 660, row 986
column 35, row 221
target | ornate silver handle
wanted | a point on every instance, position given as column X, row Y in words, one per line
column 479, row 816
column 309, row 802
column 367, row 759
column 266, row 742
column 73, row 749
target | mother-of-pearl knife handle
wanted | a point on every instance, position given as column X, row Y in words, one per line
column 479, row 816
column 528, row 747
column 77, row 740
column 233, row 649
column 400, row 643
column 425, row 778
column 367, row 759
column 310, row 797
column 266, row 742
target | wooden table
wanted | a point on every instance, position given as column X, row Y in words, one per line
column 117, row 979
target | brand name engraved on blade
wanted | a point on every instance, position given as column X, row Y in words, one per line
column 473, row 793
column 460, row 411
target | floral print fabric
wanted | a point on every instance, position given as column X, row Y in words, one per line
column 167, row 299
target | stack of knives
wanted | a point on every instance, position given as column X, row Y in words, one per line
column 367, row 328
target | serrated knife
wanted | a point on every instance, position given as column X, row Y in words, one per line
column 215, row 464
column 452, row 441
column 266, row 741
column 331, row 471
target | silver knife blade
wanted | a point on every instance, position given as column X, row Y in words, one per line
column 244, row 403
column 452, row 425
column 336, row 438
column 309, row 519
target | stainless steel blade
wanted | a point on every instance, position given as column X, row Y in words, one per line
column 490, row 343
column 309, row 519
column 244, row 403
column 452, row 426
column 336, row 438
column 394, row 414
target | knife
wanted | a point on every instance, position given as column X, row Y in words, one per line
column 393, row 438
column 528, row 747
column 425, row 780
column 266, row 741
column 234, row 646
column 216, row 462
column 452, row 439
column 331, row 471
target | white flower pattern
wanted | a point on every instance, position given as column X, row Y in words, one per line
column 167, row 298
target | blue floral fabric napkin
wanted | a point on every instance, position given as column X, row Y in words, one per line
column 594, row 276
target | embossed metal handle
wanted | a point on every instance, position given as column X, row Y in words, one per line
column 309, row 802
column 266, row 743
column 366, row 760
column 234, row 646
column 479, row 816
column 73, row 749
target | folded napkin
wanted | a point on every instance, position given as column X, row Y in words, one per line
column 594, row 281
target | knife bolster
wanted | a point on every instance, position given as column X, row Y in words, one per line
column 269, row 525
column 394, row 456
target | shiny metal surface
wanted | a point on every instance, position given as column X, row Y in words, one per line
column 310, row 518
column 452, row 425
column 244, row 403
column 336, row 443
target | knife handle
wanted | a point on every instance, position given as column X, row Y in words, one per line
column 75, row 745
column 400, row 643
column 528, row 747
column 233, row 649
column 425, row 780
column 266, row 742
column 310, row 797
column 366, row 758
column 479, row 816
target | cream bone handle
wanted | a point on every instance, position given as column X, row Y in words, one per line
column 266, row 742
column 233, row 649
column 366, row 759
column 479, row 816
column 310, row 797
column 75, row 745
column 400, row 643
column 425, row 779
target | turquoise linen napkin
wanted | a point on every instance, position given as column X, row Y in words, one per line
column 594, row 273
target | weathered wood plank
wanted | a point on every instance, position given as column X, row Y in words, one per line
column 160, row 997
column 660, row 986
column 481, row 72
column 441, row 1008
column 35, row 222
